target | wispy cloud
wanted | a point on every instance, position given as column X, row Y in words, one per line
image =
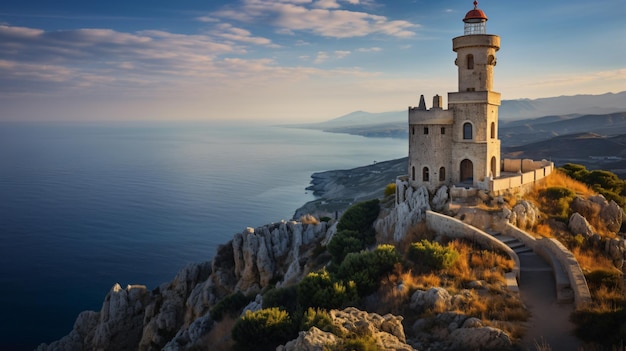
column 323, row 17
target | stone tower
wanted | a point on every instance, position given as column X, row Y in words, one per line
column 460, row 145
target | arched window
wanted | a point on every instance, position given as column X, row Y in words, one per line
column 467, row 131
column 425, row 175
column 470, row 61
column 413, row 172
column 493, row 167
column 493, row 130
column 491, row 60
column 442, row 174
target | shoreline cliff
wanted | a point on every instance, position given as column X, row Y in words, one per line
column 176, row 314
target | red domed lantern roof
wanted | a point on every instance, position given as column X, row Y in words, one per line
column 475, row 15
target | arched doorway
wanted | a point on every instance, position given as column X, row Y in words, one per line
column 467, row 170
column 493, row 167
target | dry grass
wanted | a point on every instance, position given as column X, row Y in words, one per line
column 559, row 179
column 475, row 264
column 219, row 338
column 544, row 230
column 591, row 260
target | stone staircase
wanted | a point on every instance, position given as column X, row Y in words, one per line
column 531, row 262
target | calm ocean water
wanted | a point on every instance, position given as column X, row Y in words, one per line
column 86, row 205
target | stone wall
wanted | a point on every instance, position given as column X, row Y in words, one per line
column 578, row 283
column 452, row 227
column 529, row 173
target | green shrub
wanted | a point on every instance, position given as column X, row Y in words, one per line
column 366, row 268
column 325, row 219
column 598, row 278
column 360, row 218
column 343, row 243
column 231, row 304
column 264, row 329
column 433, row 255
column 321, row 319
column 607, row 328
column 556, row 193
column 284, row 298
column 318, row 289
column 390, row 189
column 604, row 182
column 558, row 201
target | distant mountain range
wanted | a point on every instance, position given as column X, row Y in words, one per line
column 394, row 123
column 585, row 129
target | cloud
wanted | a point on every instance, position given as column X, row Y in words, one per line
column 341, row 53
column 372, row 49
column 321, row 57
column 321, row 17
column 88, row 61
column 230, row 32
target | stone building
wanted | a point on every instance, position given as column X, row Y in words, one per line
column 459, row 146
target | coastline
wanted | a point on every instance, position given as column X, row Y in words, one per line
column 336, row 190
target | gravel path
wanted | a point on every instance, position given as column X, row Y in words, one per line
column 549, row 320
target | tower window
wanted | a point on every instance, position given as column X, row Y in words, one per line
column 413, row 130
column 470, row 61
column 493, row 130
column 413, row 172
column 425, row 175
column 442, row 174
column 467, row 131
column 443, row 130
column 491, row 60
column 425, row 130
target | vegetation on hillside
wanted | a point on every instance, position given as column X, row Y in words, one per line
column 381, row 279
column 604, row 182
column 603, row 323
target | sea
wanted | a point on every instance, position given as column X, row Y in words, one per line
column 85, row 205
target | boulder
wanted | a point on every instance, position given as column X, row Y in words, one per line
column 612, row 216
column 311, row 340
column 441, row 198
column 524, row 215
column 437, row 299
column 485, row 338
column 577, row 224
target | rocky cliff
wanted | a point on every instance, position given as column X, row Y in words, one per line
column 176, row 314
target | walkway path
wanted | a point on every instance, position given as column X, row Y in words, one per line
column 549, row 323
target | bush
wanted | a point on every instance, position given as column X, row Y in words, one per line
column 390, row 189
column 343, row 243
column 433, row 255
column 557, row 200
column 368, row 267
column 284, row 298
column 231, row 304
column 360, row 218
column 607, row 328
column 319, row 318
column 318, row 289
column 264, row 329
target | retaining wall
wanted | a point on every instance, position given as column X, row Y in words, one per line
column 452, row 227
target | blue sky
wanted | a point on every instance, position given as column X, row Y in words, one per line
column 287, row 60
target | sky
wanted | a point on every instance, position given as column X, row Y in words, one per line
column 287, row 60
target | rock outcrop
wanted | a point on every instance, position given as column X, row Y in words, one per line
column 387, row 330
column 176, row 315
column 405, row 214
column 524, row 215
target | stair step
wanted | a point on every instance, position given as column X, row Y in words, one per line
column 507, row 239
column 515, row 245
column 522, row 250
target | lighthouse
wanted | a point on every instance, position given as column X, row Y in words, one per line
column 459, row 145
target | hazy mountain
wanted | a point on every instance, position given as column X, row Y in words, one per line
column 542, row 111
column 563, row 105
column 537, row 129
